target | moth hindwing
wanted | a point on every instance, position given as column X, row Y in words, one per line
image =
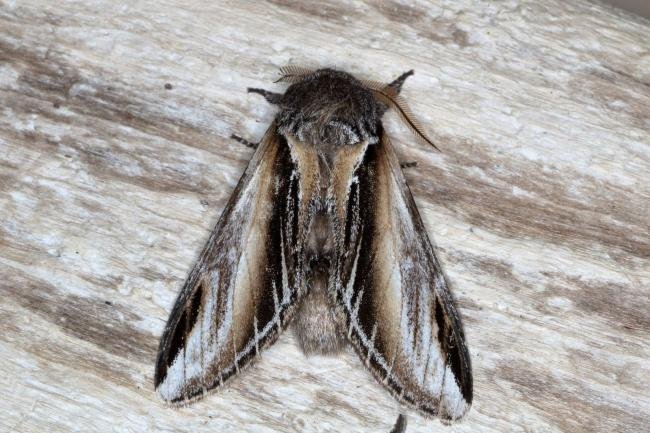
column 322, row 232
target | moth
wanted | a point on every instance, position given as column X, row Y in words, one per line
column 322, row 233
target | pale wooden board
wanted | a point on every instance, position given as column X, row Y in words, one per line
column 538, row 203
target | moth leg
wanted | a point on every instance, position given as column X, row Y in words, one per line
column 397, row 83
column 244, row 141
column 408, row 164
column 272, row 97
column 400, row 424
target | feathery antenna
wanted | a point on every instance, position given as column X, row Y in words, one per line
column 293, row 74
column 389, row 94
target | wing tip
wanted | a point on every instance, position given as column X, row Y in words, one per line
column 174, row 399
column 455, row 398
column 160, row 370
column 449, row 419
column 164, row 395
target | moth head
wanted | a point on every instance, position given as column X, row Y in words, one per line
column 328, row 107
column 349, row 103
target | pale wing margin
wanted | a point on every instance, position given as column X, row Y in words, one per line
column 400, row 314
column 243, row 288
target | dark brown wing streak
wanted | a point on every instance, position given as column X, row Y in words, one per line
column 243, row 288
column 400, row 314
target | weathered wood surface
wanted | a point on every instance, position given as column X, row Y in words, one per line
column 539, row 203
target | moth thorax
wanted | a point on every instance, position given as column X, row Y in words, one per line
column 330, row 108
column 330, row 132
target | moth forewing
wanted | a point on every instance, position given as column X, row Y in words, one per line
column 397, row 305
column 245, row 285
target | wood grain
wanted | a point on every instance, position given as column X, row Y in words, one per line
column 115, row 162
